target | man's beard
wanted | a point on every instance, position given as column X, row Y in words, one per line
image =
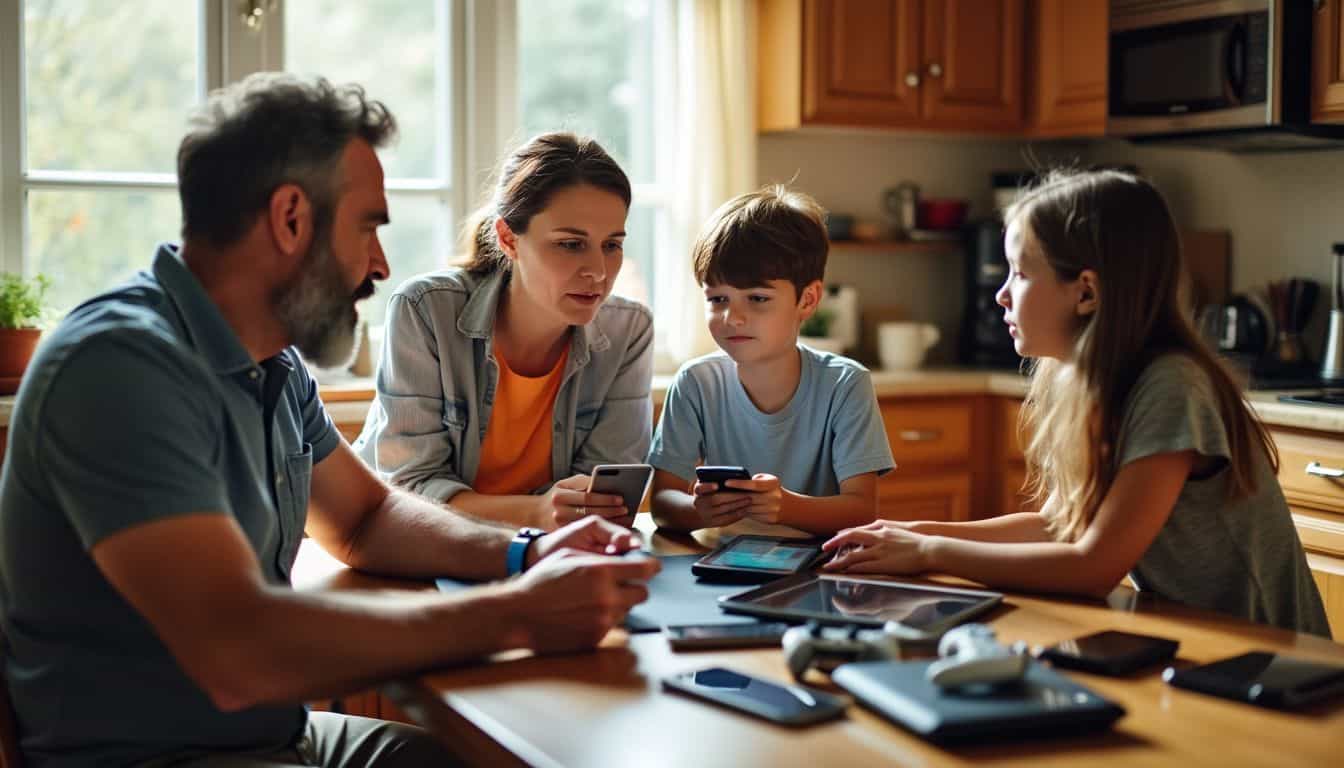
column 318, row 311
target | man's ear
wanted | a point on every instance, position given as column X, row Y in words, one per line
column 508, row 241
column 1089, row 293
column 809, row 299
column 291, row 219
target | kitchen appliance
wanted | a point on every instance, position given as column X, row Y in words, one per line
column 984, row 336
column 1332, row 357
column 902, row 204
column 1228, row 74
column 1238, row 329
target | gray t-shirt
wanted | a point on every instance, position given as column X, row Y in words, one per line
column 143, row 405
column 1239, row 557
column 830, row 431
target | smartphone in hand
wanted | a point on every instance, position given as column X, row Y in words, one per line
column 719, row 474
column 629, row 481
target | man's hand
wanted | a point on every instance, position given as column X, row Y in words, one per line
column 764, row 499
column 570, row 599
column 568, row 500
column 589, row 534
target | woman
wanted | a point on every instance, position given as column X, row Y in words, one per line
column 505, row 380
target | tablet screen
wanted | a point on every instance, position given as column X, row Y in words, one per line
column 839, row 598
column 764, row 554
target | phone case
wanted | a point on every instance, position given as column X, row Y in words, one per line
column 1157, row 650
column 711, row 474
column 824, row 705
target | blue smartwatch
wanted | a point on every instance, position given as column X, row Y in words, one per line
column 516, row 559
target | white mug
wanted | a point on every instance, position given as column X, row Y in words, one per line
column 902, row 345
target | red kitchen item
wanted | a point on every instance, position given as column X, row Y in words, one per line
column 941, row 213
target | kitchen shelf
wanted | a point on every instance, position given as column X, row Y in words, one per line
column 896, row 246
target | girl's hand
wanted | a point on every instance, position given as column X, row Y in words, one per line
column 717, row 507
column 882, row 546
column 568, row 500
column 764, row 499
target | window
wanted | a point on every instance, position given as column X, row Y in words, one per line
column 94, row 99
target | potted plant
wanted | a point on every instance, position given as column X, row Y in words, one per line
column 815, row 332
column 22, row 306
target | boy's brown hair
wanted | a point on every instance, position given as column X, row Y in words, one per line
column 772, row 234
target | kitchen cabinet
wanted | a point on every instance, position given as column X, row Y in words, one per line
column 1307, row 461
column 1067, row 67
column 919, row 64
column 942, row 466
column 1327, row 62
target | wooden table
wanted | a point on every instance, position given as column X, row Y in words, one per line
column 606, row 708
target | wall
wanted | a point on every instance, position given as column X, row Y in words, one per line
column 847, row 172
column 1283, row 210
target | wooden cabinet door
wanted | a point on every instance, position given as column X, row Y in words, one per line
column 973, row 64
column 1069, row 62
column 861, row 62
column 1327, row 62
column 943, row 497
column 1328, row 572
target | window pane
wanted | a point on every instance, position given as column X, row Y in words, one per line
column 392, row 48
column 636, row 278
column 89, row 241
column 415, row 242
column 109, row 85
column 587, row 66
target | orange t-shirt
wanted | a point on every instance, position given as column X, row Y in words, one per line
column 516, row 452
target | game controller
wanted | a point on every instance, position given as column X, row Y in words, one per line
column 971, row 655
column 828, row 647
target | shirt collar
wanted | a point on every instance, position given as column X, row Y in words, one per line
column 206, row 329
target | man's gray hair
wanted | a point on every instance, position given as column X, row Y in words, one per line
column 267, row 130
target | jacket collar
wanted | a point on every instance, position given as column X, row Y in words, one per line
column 477, row 319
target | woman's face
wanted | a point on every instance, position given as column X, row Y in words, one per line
column 567, row 261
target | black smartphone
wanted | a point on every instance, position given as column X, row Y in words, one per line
column 784, row 704
column 682, row 637
column 1111, row 652
column 720, row 474
column 1265, row 679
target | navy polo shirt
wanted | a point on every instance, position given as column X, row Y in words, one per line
column 142, row 405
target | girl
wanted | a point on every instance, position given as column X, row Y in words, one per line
column 505, row 380
column 1144, row 457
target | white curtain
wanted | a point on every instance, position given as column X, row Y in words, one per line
column 712, row 156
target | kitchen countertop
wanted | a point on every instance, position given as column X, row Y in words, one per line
column 348, row 400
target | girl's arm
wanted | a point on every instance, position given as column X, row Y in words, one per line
column 855, row 504
column 1019, row 527
column 1133, row 512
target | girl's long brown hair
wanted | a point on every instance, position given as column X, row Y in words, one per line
column 1119, row 226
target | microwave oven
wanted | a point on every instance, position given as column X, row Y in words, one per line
column 1229, row 73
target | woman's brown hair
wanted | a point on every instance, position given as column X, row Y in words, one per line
column 1119, row 226
column 528, row 178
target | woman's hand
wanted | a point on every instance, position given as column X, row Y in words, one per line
column 568, row 500
column 882, row 546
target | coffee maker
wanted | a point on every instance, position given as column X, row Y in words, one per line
column 985, row 340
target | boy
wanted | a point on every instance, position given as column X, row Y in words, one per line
column 804, row 422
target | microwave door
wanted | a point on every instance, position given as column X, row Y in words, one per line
column 1188, row 76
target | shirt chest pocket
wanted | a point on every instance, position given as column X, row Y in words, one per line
column 292, row 489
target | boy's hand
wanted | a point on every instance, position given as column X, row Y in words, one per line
column 717, row 507
column 765, row 497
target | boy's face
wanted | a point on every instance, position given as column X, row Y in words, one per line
column 760, row 323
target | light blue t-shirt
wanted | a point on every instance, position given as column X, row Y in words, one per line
column 830, row 431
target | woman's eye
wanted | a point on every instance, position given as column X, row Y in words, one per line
column 571, row 245
column 615, row 246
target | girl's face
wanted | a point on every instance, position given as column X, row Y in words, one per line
column 1041, row 310
column 567, row 261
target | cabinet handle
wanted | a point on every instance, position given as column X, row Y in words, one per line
column 935, row 70
column 912, row 79
column 1316, row 469
column 927, row 436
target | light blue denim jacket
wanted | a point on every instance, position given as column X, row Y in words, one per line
column 437, row 377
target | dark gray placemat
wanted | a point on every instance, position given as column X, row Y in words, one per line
column 675, row 597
